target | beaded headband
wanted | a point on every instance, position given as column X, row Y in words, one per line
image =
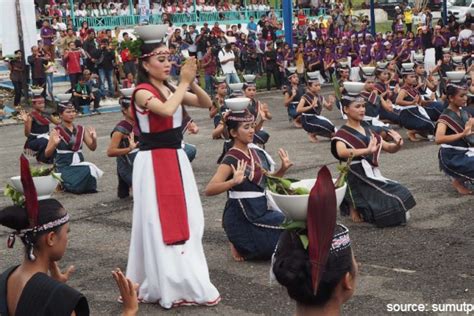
column 341, row 240
column 164, row 53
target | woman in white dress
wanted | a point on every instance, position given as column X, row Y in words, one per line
column 166, row 255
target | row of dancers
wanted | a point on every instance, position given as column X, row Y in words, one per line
column 168, row 221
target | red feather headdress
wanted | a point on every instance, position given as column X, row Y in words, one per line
column 321, row 222
column 29, row 191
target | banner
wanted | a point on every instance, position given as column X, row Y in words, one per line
column 144, row 11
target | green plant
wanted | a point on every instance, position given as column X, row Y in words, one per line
column 16, row 196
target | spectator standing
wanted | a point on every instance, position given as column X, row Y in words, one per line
column 48, row 35
column 252, row 29
column 226, row 59
column 69, row 38
column 271, row 66
column 408, row 16
column 17, row 76
column 105, row 66
column 90, row 47
column 129, row 62
column 209, row 65
column 202, row 42
column 37, row 62
column 175, row 60
column 72, row 60
column 49, row 69
column 190, row 39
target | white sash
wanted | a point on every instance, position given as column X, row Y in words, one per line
column 371, row 171
column 76, row 161
column 245, row 194
column 469, row 150
column 44, row 135
column 420, row 108
column 375, row 121
column 269, row 158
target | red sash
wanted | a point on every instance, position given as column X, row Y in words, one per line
column 66, row 137
column 39, row 118
column 451, row 123
column 169, row 188
column 254, row 170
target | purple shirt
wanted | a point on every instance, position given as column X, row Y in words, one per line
column 45, row 33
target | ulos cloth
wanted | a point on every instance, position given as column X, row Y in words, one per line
column 168, row 275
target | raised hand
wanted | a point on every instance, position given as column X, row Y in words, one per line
column 468, row 127
column 92, row 132
column 188, row 70
column 131, row 141
column 128, row 292
column 286, row 163
column 57, row 274
column 55, row 137
column 24, row 116
column 373, row 146
column 193, row 128
column 239, row 172
column 397, row 138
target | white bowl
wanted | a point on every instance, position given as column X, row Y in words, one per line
column 36, row 91
column 295, row 207
column 455, row 75
column 220, row 79
column 249, row 78
column 127, row 92
column 457, row 59
column 408, row 66
column 382, row 64
column 344, row 63
column 291, row 70
column 151, row 33
column 368, row 71
column 419, row 57
column 353, row 87
column 236, row 86
column 446, row 49
column 63, row 97
column 390, row 57
column 313, row 75
column 237, row 104
column 45, row 185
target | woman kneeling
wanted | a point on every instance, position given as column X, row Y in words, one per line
column 251, row 227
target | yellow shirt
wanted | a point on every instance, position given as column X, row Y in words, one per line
column 408, row 14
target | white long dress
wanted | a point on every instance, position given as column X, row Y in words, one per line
column 169, row 275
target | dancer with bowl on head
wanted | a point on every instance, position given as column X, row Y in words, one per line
column 166, row 254
column 370, row 196
column 252, row 228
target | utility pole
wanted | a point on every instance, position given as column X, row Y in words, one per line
column 22, row 46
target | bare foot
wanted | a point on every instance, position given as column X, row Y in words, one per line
column 461, row 188
column 235, row 254
column 412, row 136
column 297, row 123
column 313, row 138
column 355, row 216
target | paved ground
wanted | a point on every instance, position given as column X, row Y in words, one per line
column 428, row 261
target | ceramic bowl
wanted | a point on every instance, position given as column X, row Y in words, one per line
column 63, row 97
column 354, row 87
column 295, row 207
column 237, row 104
column 368, row 71
column 151, row 33
column 455, row 76
column 313, row 75
column 45, row 185
column 408, row 66
column 249, row 78
column 291, row 70
column 457, row 59
column 419, row 57
column 236, row 86
column 220, row 79
column 127, row 92
column 382, row 64
column 389, row 57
